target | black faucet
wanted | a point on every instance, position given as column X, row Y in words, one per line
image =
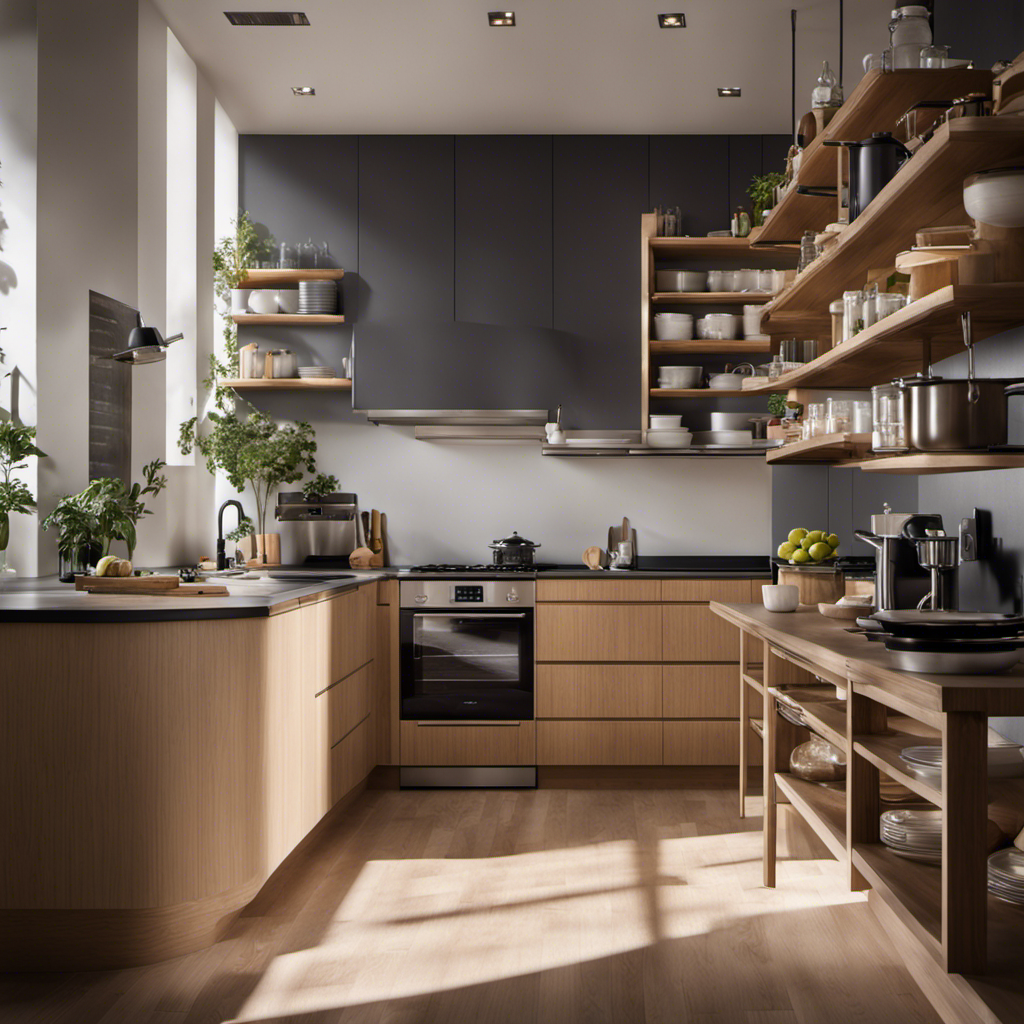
column 222, row 561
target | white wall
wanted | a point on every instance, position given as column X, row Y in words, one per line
column 18, row 244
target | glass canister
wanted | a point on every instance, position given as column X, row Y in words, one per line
column 836, row 312
column 909, row 31
column 853, row 314
column 887, row 303
column 860, row 422
column 838, row 416
column 887, row 428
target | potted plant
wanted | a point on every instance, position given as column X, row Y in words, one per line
column 320, row 487
column 762, row 193
column 233, row 257
column 17, row 443
column 77, row 525
column 254, row 452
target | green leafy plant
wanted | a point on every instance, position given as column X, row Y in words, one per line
column 254, row 451
column 17, row 443
column 762, row 193
column 77, row 524
column 777, row 404
column 244, row 528
column 320, row 485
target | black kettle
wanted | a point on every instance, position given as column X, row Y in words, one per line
column 873, row 164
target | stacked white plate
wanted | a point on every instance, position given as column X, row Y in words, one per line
column 916, row 835
column 1005, row 760
column 1006, row 875
column 318, row 297
column 316, row 372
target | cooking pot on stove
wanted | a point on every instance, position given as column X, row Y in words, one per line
column 514, row 550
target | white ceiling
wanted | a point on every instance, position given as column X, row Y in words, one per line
column 569, row 66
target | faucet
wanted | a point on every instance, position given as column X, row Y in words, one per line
column 222, row 561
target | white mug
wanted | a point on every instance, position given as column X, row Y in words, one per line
column 625, row 552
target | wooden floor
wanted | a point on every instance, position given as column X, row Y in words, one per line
column 575, row 903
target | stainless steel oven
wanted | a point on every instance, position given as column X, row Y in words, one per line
column 466, row 656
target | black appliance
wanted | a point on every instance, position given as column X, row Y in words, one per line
column 466, row 657
column 873, row 164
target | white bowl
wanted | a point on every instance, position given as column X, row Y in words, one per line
column 666, row 422
column 681, row 376
column 996, row 197
column 673, row 330
column 731, row 420
column 681, row 280
column 781, row 597
column 669, row 438
column 685, row 317
column 288, row 300
column 721, row 326
column 726, row 381
column 263, row 300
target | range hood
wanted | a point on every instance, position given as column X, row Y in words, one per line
column 480, row 434
column 460, row 417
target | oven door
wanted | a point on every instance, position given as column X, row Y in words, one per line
column 467, row 665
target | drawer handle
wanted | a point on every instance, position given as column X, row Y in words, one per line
column 463, row 724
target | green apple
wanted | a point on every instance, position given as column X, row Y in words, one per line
column 797, row 535
column 814, row 536
column 833, row 540
column 820, row 551
column 786, row 550
column 799, row 556
column 807, row 543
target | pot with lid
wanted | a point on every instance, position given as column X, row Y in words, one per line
column 514, row 550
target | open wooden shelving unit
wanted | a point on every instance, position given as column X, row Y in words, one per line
column 875, row 105
column 752, row 345
column 271, row 277
column 696, row 393
column 289, row 384
column 932, row 463
column 711, row 298
column 826, row 448
column 287, row 319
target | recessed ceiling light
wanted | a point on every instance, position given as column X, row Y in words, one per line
column 730, row 91
column 303, row 90
column 501, row 19
column 266, row 18
column 671, row 21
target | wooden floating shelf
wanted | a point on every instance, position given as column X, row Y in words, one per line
column 875, row 105
column 754, row 677
column 265, row 278
column 884, row 753
column 290, row 384
column 696, row 393
column 893, row 347
column 722, row 249
column 932, row 463
column 712, row 298
column 822, row 808
column 710, row 347
column 282, row 319
column 927, row 190
column 826, row 448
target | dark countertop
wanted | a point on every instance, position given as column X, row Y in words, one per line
column 46, row 599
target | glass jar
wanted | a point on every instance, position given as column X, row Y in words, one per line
column 835, row 310
column 808, row 250
column 860, row 422
column 815, row 419
column 869, row 310
column 887, row 303
column 909, row 31
column 838, row 416
column 887, row 427
column 853, row 314
column 828, row 92
column 934, row 56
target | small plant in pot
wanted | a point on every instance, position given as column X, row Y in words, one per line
column 234, row 256
column 320, row 487
column 17, row 444
column 254, row 452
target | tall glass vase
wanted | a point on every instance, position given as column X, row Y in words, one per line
column 6, row 572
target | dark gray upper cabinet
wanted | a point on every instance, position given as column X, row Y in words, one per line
column 600, row 191
column 679, row 177
column 503, row 229
column 744, row 163
column 406, row 212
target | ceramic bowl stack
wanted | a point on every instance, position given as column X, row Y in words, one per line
column 916, row 835
column 1005, row 760
column 673, row 326
column 318, row 297
column 682, row 377
column 316, row 372
column 1006, row 875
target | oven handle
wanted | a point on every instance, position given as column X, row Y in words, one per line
column 462, row 723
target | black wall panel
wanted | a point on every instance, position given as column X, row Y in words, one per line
column 503, row 229
column 679, row 177
column 744, row 163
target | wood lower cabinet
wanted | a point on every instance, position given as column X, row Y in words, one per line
column 739, row 591
column 600, row 590
column 700, row 691
column 348, row 702
column 599, row 691
column 351, row 759
column 695, row 742
column 599, row 632
column 598, row 743
column 500, row 743
column 692, row 633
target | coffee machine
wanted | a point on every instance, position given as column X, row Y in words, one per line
column 900, row 579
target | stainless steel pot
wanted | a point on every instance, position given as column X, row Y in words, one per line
column 944, row 415
column 514, row 550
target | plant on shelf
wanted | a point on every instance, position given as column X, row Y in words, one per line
column 254, row 452
column 77, row 525
column 762, row 193
column 777, row 405
column 320, row 486
column 17, row 444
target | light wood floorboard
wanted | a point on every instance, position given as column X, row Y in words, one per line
column 572, row 903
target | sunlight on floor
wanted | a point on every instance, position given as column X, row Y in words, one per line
column 453, row 922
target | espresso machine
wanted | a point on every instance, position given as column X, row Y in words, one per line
column 901, row 581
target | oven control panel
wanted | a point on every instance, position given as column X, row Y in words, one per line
column 469, row 593
column 505, row 594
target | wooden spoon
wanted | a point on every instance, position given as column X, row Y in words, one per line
column 593, row 557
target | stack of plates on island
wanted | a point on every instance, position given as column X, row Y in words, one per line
column 318, row 297
column 316, row 371
column 916, row 835
column 1005, row 760
column 1006, row 875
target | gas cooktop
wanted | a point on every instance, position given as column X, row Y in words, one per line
column 455, row 568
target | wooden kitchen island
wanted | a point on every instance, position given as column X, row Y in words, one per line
column 161, row 757
column 963, row 945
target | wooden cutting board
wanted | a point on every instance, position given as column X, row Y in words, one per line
column 126, row 584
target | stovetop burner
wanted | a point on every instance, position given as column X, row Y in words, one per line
column 452, row 568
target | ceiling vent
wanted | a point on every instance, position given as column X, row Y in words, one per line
column 274, row 19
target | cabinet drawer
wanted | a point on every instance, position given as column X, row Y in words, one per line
column 596, row 743
column 599, row 632
column 694, row 633
column 599, row 691
column 707, row 743
column 599, row 590
column 701, row 691
column 508, row 743
column 738, row 591
column 352, row 630
column 352, row 760
column 348, row 703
